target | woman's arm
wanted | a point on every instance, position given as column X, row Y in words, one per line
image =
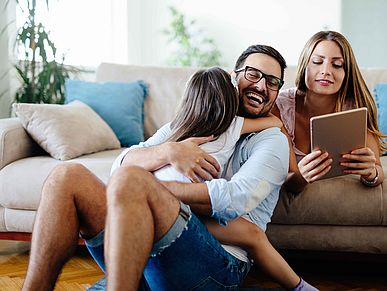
column 260, row 123
column 312, row 167
column 366, row 163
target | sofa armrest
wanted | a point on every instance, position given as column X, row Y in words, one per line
column 15, row 143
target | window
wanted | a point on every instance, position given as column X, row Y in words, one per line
column 87, row 32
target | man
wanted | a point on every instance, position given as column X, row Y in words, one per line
column 151, row 236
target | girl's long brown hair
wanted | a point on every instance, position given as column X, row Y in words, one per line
column 209, row 105
column 353, row 89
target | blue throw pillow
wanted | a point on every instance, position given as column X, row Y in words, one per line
column 120, row 104
column 381, row 103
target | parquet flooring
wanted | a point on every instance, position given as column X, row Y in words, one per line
column 81, row 271
column 78, row 274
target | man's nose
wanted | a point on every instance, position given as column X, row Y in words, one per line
column 261, row 85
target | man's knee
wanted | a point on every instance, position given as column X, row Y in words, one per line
column 61, row 180
column 134, row 176
column 66, row 172
column 130, row 182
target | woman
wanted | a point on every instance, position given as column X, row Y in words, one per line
column 328, row 80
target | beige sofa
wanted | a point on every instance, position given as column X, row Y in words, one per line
column 338, row 214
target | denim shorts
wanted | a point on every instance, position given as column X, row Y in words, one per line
column 187, row 257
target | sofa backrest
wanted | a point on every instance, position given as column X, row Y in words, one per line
column 166, row 86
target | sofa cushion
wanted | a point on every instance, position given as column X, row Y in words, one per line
column 120, row 104
column 66, row 131
column 26, row 195
column 353, row 204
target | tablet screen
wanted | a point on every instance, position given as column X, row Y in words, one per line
column 339, row 133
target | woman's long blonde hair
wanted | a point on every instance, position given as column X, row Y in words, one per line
column 353, row 90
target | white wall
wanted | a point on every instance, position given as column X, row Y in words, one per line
column 234, row 25
column 6, row 17
column 146, row 21
column 283, row 24
column 364, row 23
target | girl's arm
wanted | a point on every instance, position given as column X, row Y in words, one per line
column 260, row 123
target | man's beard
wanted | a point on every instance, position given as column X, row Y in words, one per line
column 249, row 111
column 244, row 112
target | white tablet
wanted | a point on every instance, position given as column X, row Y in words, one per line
column 338, row 133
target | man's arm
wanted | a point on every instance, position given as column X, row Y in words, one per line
column 194, row 194
column 265, row 166
column 148, row 158
column 263, row 159
column 185, row 156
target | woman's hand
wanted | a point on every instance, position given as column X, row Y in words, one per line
column 314, row 165
column 189, row 159
column 361, row 162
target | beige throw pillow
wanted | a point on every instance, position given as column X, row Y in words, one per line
column 66, row 131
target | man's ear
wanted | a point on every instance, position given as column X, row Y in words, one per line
column 234, row 81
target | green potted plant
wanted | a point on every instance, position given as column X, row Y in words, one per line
column 192, row 48
column 42, row 73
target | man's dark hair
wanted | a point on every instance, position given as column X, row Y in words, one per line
column 261, row 49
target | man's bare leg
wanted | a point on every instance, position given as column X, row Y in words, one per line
column 140, row 211
column 73, row 200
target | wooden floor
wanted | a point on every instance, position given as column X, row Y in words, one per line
column 81, row 271
column 78, row 274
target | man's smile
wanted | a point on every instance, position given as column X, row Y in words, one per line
column 254, row 96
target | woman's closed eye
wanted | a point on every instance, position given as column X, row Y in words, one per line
column 337, row 65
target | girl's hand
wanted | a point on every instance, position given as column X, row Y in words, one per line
column 314, row 165
column 361, row 162
column 189, row 159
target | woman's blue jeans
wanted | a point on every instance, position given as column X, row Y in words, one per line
column 188, row 257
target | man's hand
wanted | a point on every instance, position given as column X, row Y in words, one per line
column 189, row 159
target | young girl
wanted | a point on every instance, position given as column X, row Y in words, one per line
column 209, row 107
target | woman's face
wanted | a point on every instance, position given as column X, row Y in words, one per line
column 325, row 70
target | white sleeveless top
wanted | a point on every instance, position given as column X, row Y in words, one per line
column 221, row 149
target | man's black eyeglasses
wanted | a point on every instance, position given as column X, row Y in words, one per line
column 254, row 75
